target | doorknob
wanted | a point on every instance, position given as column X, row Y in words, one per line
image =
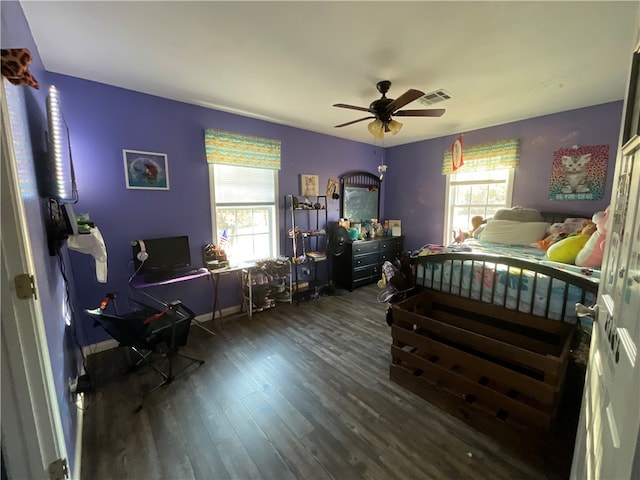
column 583, row 311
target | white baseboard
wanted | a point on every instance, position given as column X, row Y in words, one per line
column 226, row 312
column 77, row 462
column 99, row 347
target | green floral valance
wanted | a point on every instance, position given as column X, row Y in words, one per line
column 485, row 156
column 241, row 150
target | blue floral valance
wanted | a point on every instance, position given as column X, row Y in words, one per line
column 485, row 156
column 241, row 150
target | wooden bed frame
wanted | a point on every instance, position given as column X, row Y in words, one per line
column 568, row 281
column 497, row 366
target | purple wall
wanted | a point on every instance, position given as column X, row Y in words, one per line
column 28, row 120
column 415, row 187
column 103, row 120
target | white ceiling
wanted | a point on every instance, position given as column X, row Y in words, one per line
column 289, row 62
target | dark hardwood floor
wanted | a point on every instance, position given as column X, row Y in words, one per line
column 296, row 392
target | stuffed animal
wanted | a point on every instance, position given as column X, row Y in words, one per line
column 476, row 221
column 556, row 232
column 592, row 252
column 588, row 227
column 566, row 250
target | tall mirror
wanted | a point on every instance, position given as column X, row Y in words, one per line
column 360, row 197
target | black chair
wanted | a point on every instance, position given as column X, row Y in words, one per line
column 148, row 331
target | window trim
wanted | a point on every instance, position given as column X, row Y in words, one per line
column 275, row 234
column 448, row 227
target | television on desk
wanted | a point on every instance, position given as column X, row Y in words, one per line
column 161, row 254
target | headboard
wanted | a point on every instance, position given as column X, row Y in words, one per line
column 559, row 217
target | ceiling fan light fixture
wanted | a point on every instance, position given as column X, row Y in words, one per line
column 394, row 126
column 384, row 108
column 376, row 128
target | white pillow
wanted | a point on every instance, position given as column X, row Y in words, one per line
column 510, row 232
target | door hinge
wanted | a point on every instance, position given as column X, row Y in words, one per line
column 25, row 286
column 58, row 469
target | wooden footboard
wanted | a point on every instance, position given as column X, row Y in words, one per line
column 488, row 339
column 500, row 371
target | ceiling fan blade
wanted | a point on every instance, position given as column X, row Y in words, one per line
column 407, row 97
column 431, row 112
column 353, row 121
column 352, row 107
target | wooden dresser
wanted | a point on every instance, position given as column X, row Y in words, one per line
column 361, row 262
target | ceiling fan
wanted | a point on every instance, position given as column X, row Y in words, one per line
column 385, row 108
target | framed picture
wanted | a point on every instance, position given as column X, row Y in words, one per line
column 146, row 170
column 308, row 185
column 396, row 227
column 579, row 173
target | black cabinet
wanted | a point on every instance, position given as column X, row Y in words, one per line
column 361, row 262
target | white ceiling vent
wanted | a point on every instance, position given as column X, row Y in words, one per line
column 436, row 96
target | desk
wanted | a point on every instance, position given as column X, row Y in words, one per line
column 139, row 283
column 216, row 273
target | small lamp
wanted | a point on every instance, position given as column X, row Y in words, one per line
column 394, row 126
column 376, row 128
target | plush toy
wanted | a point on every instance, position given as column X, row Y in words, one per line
column 556, row 232
column 566, row 250
column 592, row 252
column 588, row 227
column 476, row 221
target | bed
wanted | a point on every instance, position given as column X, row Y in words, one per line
column 488, row 334
column 530, row 285
column 515, row 277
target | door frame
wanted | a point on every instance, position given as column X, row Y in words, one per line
column 32, row 436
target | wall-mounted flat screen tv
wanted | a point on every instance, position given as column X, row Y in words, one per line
column 58, row 180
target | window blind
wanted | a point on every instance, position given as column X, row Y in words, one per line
column 486, row 156
column 242, row 185
column 230, row 148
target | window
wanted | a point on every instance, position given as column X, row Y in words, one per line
column 244, row 206
column 243, row 173
column 482, row 185
column 475, row 193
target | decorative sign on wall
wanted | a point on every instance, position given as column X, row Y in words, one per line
column 579, row 173
column 456, row 154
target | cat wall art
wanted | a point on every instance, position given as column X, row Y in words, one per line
column 575, row 173
column 579, row 173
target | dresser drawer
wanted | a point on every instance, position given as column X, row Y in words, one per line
column 364, row 281
column 364, row 260
column 368, row 272
column 391, row 244
column 365, row 275
column 361, row 248
column 388, row 256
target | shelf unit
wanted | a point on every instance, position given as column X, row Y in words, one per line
column 265, row 284
column 306, row 245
